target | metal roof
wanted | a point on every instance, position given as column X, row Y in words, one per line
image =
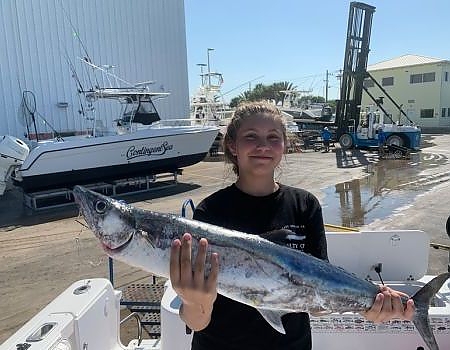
column 404, row 61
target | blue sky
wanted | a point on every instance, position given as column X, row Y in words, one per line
column 299, row 40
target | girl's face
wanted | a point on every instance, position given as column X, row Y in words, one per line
column 259, row 146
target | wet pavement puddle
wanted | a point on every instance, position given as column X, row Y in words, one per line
column 389, row 186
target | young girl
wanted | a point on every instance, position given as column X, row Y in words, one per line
column 254, row 143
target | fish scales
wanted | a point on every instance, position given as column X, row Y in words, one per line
column 284, row 283
column 253, row 270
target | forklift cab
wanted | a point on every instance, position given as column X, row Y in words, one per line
column 369, row 120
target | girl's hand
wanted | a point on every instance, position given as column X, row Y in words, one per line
column 196, row 291
column 388, row 305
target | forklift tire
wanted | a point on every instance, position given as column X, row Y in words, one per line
column 346, row 141
column 394, row 140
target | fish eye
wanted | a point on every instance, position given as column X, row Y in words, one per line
column 100, row 207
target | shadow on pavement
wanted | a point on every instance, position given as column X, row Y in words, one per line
column 354, row 158
column 14, row 213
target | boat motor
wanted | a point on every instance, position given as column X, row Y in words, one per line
column 13, row 152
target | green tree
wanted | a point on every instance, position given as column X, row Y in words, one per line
column 236, row 100
column 271, row 92
column 277, row 89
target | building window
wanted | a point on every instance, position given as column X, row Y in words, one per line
column 368, row 83
column 415, row 78
column 411, row 101
column 443, row 112
column 388, row 81
column 448, row 112
column 427, row 113
column 446, row 76
column 428, row 77
column 422, row 78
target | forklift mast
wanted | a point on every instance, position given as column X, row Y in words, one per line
column 355, row 66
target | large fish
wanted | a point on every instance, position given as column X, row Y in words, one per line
column 252, row 270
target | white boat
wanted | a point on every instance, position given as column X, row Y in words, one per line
column 87, row 315
column 298, row 109
column 140, row 144
column 207, row 103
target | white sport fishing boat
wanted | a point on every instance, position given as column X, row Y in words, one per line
column 87, row 314
column 140, row 144
column 294, row 106
column 207, row 103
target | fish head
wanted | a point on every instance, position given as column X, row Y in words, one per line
column 112, row 221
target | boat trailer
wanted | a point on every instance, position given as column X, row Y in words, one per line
column 62, row 197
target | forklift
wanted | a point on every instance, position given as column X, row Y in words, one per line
column 356, row 127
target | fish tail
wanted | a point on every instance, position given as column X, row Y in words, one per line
column 422, row 300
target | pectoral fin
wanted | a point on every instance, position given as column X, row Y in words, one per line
column 273, row 317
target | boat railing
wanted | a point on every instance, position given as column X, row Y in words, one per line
column 164, row 123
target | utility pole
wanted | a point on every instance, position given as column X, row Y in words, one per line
column 339, row 77
column 326, row 85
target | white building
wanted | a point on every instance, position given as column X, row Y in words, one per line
column 420, row 84
column 39, row 41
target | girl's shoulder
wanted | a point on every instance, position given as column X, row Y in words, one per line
column 295, row 191
column 299, row 198
column 218, row 197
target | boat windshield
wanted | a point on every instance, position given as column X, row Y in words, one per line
column 143, row 112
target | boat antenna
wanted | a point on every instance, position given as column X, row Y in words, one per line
column 80, row 88
column 75, row 32
column 243, row 84
column 86, row 57
column 108, row 74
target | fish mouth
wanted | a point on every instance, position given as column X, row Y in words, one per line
column 117, row 250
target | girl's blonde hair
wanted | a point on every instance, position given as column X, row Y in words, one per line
column 244, row 111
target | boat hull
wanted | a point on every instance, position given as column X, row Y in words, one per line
column 84, row 161
column 108, row 173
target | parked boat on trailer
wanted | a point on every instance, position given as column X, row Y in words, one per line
column 139, row 143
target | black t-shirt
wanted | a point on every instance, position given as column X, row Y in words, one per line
column 235, row 325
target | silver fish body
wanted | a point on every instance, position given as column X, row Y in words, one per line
column 252, row 270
